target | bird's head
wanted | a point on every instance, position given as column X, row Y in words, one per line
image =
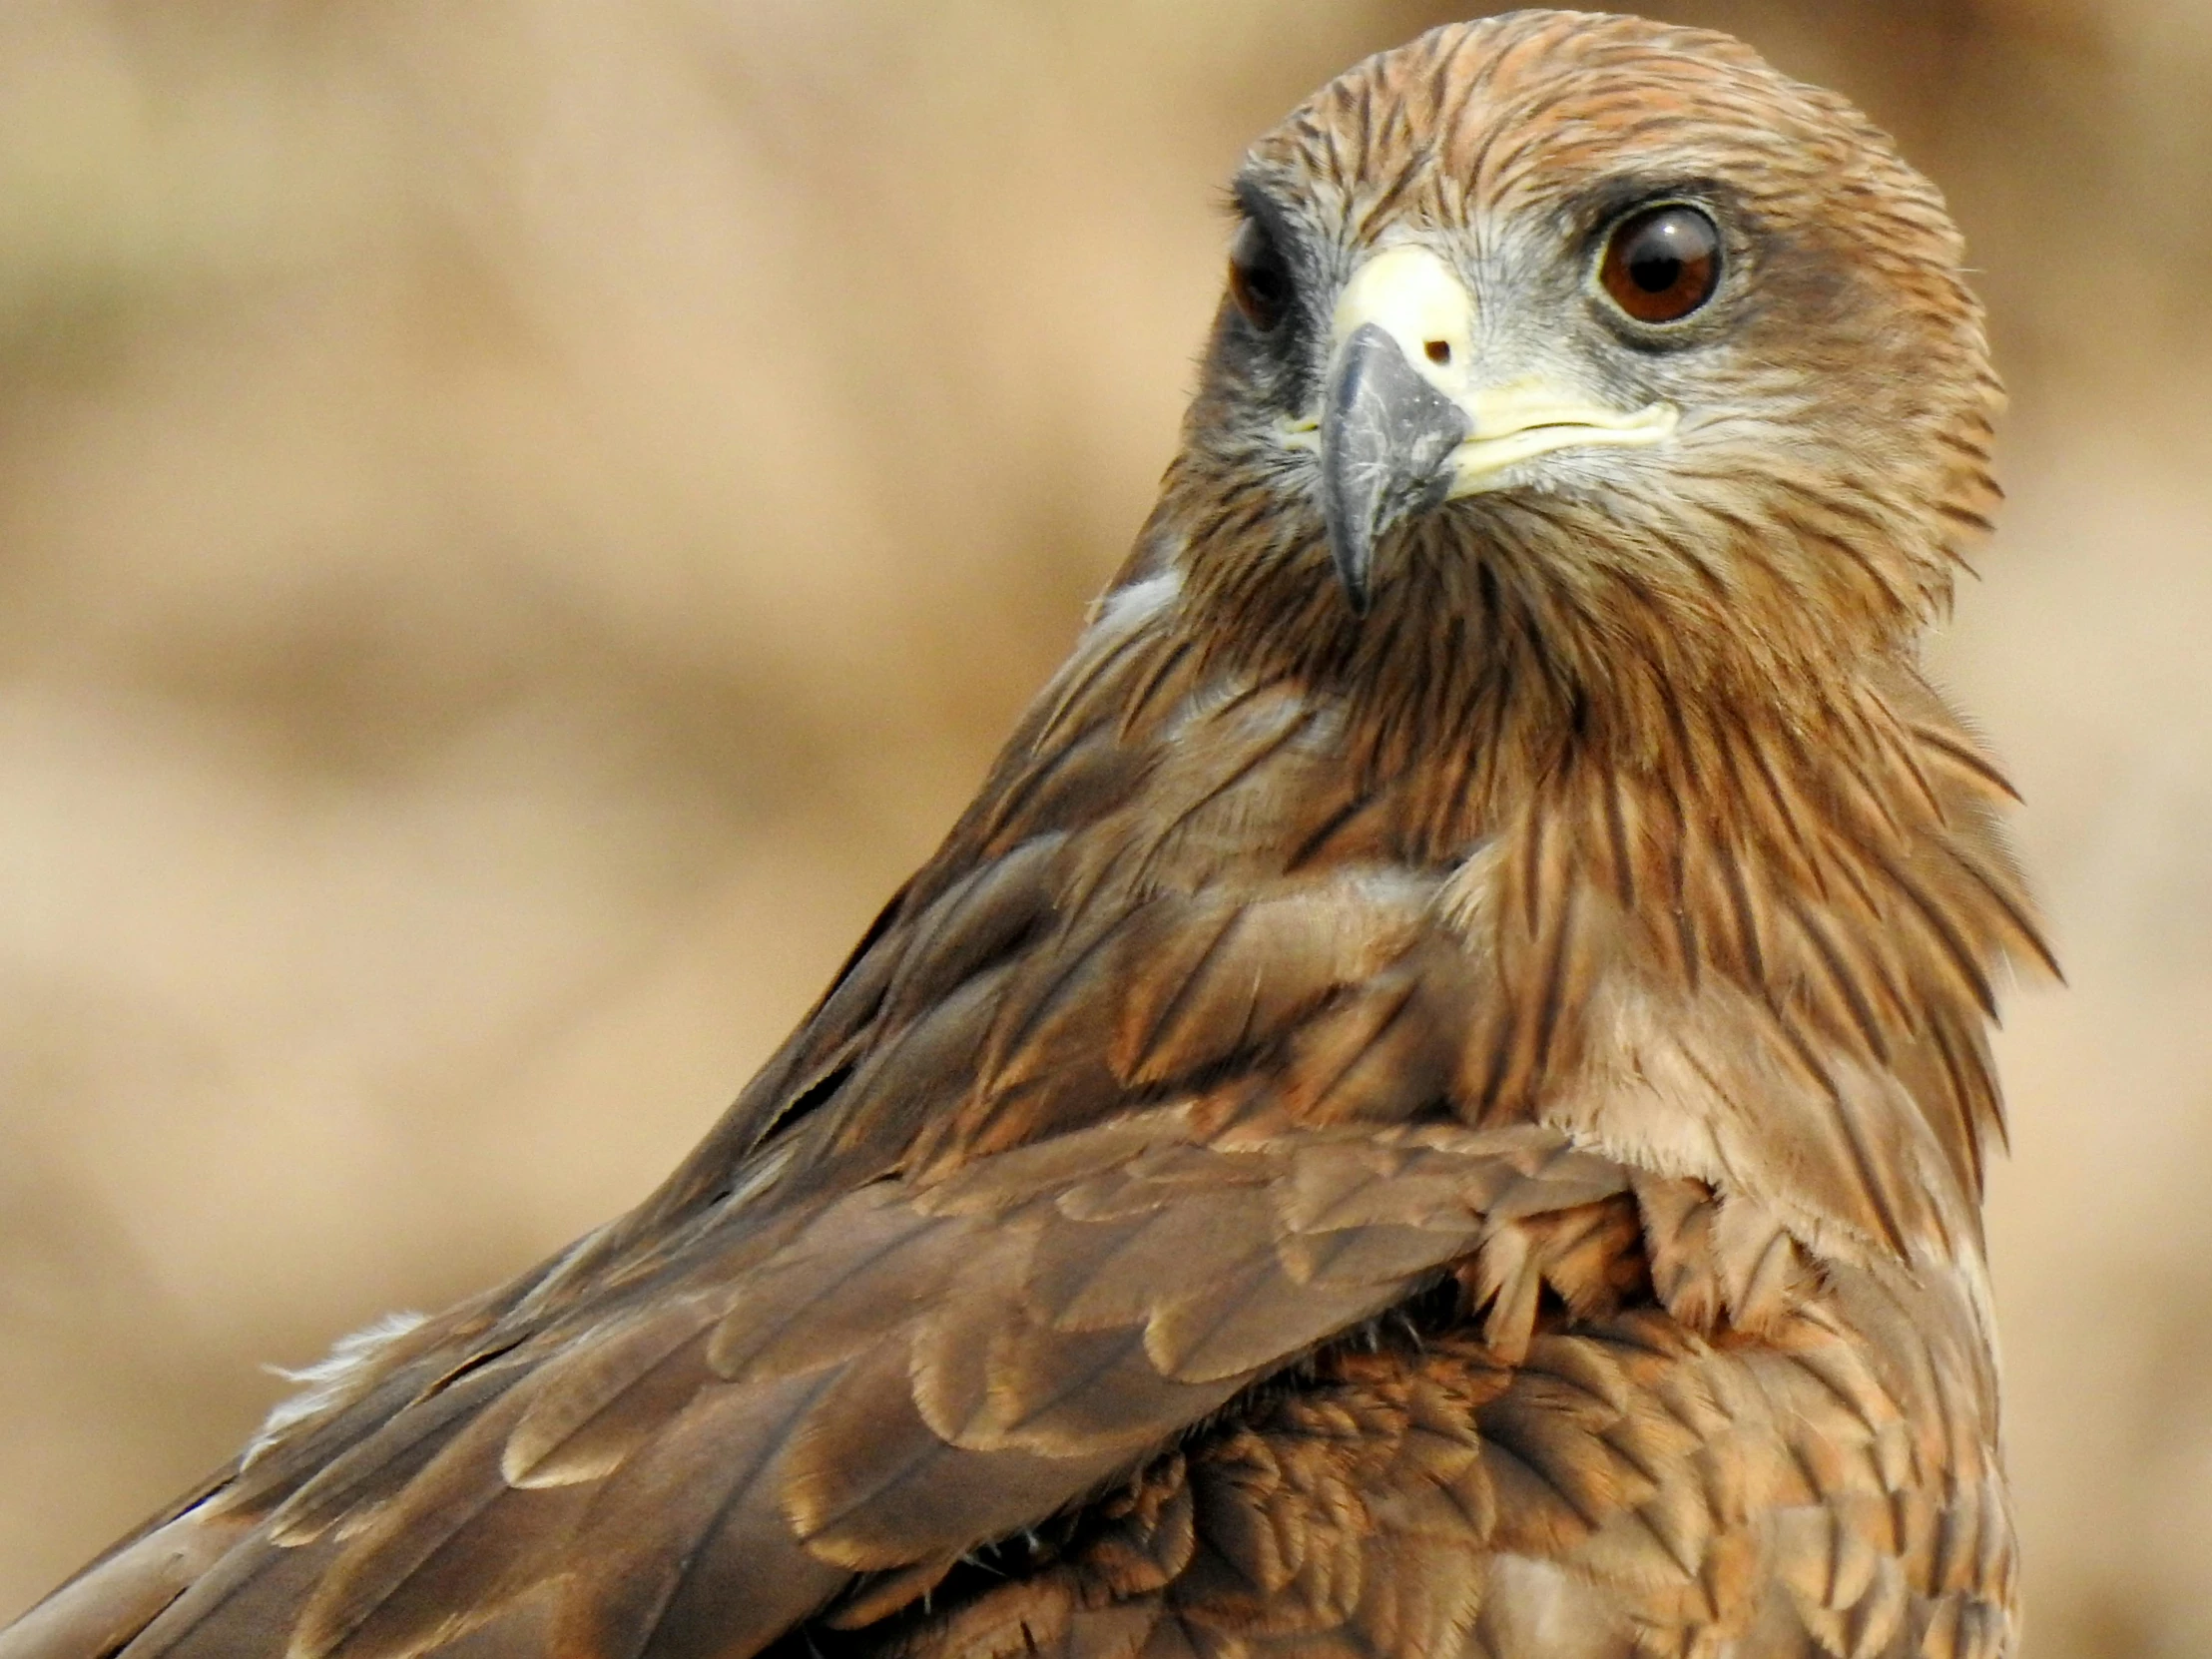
column 1661, row 340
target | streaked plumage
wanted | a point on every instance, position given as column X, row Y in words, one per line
column 1448, row 1123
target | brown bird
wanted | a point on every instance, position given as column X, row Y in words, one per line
column 1434, row 1104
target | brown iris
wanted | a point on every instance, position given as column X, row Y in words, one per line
column 1662, row 263
column 1259, row 278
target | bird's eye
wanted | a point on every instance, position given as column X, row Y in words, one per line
column 1259, row 278
column 1661, row 263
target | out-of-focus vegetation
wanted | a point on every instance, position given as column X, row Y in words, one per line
column 519, row 522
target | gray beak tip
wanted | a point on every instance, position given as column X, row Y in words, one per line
column 1353, row 563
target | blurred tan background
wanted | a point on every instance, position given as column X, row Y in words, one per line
column 520, row 522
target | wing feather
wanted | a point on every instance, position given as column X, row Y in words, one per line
column 922, row 1366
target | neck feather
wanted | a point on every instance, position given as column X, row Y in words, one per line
column 1761, row 808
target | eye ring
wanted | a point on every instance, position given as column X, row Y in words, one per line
column 1260, row 280
column 1661, row 263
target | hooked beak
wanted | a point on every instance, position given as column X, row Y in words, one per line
column 1407, row 424
column 1387, row 439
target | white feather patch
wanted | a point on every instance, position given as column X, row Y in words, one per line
column 331, row 1381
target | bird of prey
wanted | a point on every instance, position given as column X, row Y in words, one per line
column 1433, row 1106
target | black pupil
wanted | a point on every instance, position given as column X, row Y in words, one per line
column 1661, row 249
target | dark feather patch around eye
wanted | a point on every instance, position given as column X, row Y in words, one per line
column 1260, row 279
